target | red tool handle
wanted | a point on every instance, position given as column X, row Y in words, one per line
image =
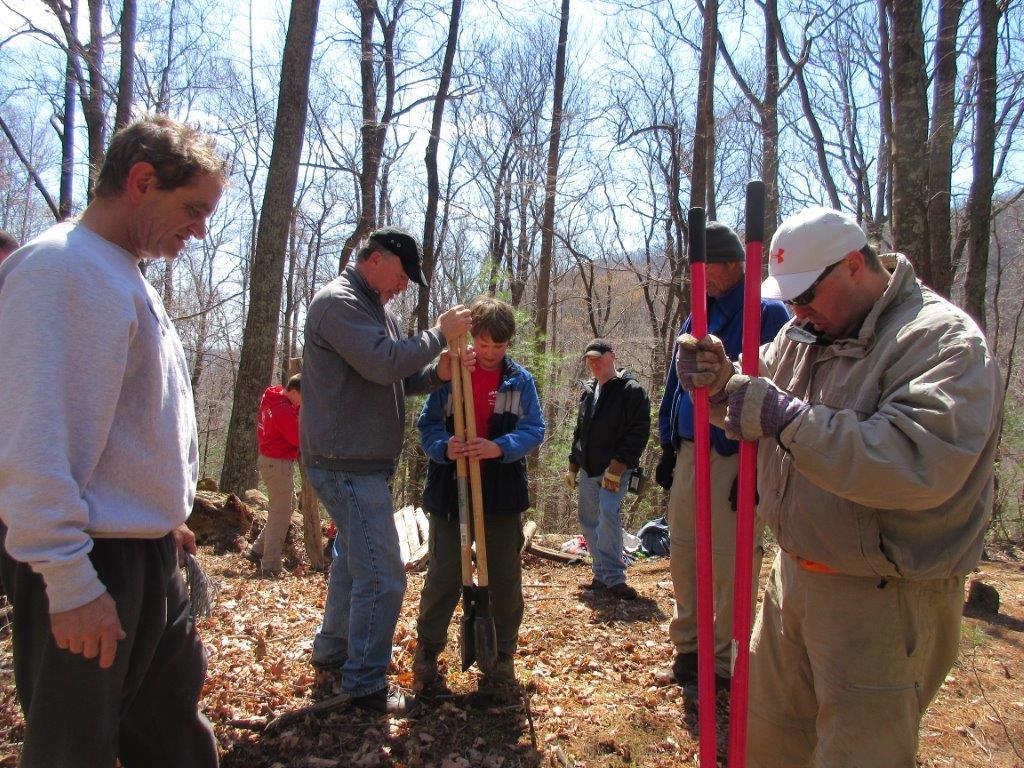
column 702, row 502
column 754, row 228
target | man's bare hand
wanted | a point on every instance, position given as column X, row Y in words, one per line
column 455, row 322
column 92, row 629
column 444, row 363
column 185, row 541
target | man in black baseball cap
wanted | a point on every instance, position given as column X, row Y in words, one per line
column 612, row 425
column 403, row 245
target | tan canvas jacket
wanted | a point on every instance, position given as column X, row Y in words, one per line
column 889, row 473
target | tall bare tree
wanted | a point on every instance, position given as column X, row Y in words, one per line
column 547, row 236
column 701, row 177
column 126, row 83
column 256, row 365
column 940, row 146
column 910, row 137
column 430, row 160
column 979, row 201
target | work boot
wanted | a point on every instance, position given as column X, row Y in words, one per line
column 683, row 671
column 389, row 700
column 428, row 682
column 623, row 591
column 499, row 686
column 594, row 585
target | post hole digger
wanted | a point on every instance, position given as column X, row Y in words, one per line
column 477, row 637
column 709, row 513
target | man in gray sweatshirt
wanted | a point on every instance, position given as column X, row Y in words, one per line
column 357, row 369
column 98, row 466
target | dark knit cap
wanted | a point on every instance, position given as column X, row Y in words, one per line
column 723, row 245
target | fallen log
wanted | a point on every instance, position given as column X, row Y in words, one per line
column 553, row 554
column 529, row 531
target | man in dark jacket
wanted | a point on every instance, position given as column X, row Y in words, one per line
column 612, row 427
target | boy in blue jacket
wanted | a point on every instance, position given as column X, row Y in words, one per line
column 509, row 424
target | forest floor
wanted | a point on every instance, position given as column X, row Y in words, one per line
column 587, row 664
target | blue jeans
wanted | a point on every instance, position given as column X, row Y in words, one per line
column 366, row 582
column 601, row 518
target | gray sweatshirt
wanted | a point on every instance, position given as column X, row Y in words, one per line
column 97, row 421
column 357, row 370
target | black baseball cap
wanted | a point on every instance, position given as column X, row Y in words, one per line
column 403, row 245
column 597, row 347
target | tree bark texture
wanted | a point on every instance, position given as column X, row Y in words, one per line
column 979, row 202
column 701, row 178
column 256, row 364
column 126, row 82
column 430, row 160
column 940, row 146
column 910, row 137
column 547, row 239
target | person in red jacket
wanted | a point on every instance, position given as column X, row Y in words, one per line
column 277, row 431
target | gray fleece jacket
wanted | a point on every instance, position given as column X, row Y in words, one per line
column 357, row 370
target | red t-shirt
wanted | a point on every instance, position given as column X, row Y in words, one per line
column 485, row 394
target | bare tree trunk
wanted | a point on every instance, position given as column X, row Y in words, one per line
column 547, row 239
column 910, row 137
column 94, row 108
column 979, row 202
column 373, row 130
column 430, row 159
column 703, row 135
column 770, row 128
column 884, row 165
column 126, row 83
column 256, row 363
column 940, row 145
column 67, row 134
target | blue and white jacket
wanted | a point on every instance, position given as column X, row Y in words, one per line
column 517, row 425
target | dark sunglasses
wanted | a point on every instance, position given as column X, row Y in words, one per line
column 805, row 298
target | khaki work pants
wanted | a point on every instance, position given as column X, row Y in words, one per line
column 682, row 630
column 842, row 668
column 278, row 475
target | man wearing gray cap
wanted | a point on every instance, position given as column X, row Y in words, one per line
column 879, row 414
column 725, row 265
column 613, row 422
column 357, row 369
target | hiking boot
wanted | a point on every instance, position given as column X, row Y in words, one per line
column 682, row 671
column 594, row 585
column 389, row 700
column 427, row 678
column 499, row 686
column 623, row 591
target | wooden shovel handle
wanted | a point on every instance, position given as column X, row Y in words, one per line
column 475, row 484
column 461, row 473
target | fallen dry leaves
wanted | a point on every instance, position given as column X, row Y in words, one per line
column 590, row 697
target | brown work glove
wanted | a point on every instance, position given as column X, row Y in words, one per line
column 613, row 475
column 702, row 363
column 570, row 477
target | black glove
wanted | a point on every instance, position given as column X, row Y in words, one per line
column 734, row 495
column 665, row 469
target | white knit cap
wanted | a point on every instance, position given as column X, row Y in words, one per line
column 804, row 245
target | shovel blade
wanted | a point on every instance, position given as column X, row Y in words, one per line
column 467, row 632
column 485, row 639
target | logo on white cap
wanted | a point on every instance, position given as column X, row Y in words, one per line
column 804, row 245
